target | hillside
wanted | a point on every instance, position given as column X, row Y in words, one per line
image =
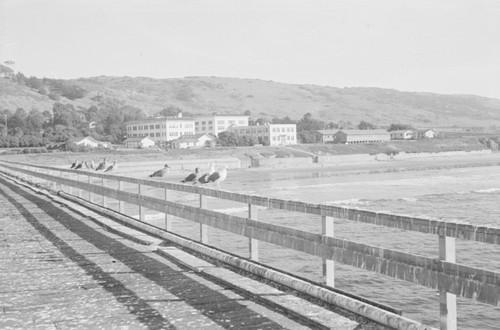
column 267, row 99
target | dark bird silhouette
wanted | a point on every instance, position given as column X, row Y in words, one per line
column 160, row 173
column 193, row 177
column 90, row 165
column 74, row 164
column 218, row 177
column 79, row 165
column 112, row 167
column 103, row 165
column 204, row 178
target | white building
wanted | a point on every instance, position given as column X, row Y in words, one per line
column 194, row 141
column 269, row 134
column 216, row 123
column 139, row 142
column 161, row 129
column 402, row 135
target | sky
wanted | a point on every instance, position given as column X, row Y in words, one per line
column 439, row 46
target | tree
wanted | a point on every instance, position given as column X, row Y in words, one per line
column 307, row 123
column 399, row 127
column 366, row 125
column 170, row 111
column 34, row 121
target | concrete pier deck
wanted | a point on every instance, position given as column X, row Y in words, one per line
column 60, row 269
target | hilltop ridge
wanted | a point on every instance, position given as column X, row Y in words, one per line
column 267, row 99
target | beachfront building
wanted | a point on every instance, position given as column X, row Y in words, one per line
column 194, row 141
column 426, row 134
column 361, row 136
column 139, row 142
column 162, row 129
column 269, row 134
column 88, row 141
column 402, row 135
column 327, row 135
column 216, row 123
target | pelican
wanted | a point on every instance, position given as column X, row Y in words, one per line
column 160, row 173
column 204, row 177
column 193, row 177
column 102, row 165
column 112, row 167
column 218, row 177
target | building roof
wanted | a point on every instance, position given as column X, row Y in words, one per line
column 364, row 131
column 159, row 119
column 193, row 137
column 81, row 138
column 328, row 131
column 401, row 131
column 138, row 139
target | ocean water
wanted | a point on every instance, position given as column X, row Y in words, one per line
column 468, row 195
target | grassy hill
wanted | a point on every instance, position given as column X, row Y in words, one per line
column 267, row 99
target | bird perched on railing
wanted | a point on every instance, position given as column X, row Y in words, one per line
column 203, row 179
column 102, row 166
column 160, row 173
column 112, row 167
column 79, row 165
column 90, row 165
column 218, row 177
column 74, row 164
column 193, row 177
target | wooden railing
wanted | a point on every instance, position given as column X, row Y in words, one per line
column 442, row 273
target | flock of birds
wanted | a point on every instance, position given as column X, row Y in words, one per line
column 210, row 177
column 102, row 166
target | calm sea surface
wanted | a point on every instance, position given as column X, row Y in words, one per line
column 470, row 195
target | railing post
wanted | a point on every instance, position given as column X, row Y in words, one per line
column 327, row 224
column 89, row 182
column 447, row 301
column 203, row 227
column 121, row 204
column 70, row 188
column 168, row 217
column 79, row 188
column 253, row 243
column 104, row 198
column 142, row 213
column 61, row 186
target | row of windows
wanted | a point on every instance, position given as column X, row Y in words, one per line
column 283, row 129
column 158, row 126
column 160, row 134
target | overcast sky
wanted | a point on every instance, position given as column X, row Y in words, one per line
column 448, row 46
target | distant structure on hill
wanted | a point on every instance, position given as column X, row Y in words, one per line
column 217, row 123
column 269, row 134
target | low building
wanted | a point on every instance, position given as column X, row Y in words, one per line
column 216, row 123
column 86, row 141
column 327, row 136
column 361, row 136
column 402, row 135
column 427, row 134
column 139, row 142
column 194, row 141
column 269, row 134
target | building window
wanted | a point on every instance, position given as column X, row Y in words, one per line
column 241, row 122
column 220, row 122
column 203, row 122
column 232, row 122
column 157, row 126
column 221, row 128
column 157, row 134
column 151, row 126
column 196, row 123
column 151, row 134
column 134, row 128
column 210, row 122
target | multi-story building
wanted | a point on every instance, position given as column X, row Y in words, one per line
column 161, row 130
column 216, row 123
column 269, row 134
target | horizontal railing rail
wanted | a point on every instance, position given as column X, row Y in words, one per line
column 483, row 234
column 441, row 273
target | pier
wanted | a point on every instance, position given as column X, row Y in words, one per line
column 140, row 290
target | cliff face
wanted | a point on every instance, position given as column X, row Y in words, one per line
column 267, row 99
